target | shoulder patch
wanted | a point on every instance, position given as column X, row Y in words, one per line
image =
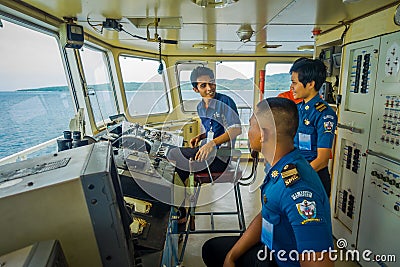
column 320, row 106
column 290, row 174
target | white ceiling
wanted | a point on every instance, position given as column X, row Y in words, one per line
column 285, row 22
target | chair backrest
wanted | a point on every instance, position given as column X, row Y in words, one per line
column 231, row 174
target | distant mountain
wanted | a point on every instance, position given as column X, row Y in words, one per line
column 46, row 89
column 280, row 81
column 272, row 82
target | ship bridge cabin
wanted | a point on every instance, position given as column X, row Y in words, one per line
column 95, row 94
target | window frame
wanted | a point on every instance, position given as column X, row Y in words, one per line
column 105, row 56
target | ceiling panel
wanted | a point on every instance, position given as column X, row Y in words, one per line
column 273, row 20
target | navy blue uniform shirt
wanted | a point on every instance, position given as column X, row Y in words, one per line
column 317, row 124
column 295, row 210
column 221, row 114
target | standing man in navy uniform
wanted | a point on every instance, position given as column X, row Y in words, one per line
column 317, row 120
column 295, row 215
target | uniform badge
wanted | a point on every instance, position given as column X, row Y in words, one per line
column 290, row 174
column 274, row 173
column 216, row 115
column 265, row 199
column 306, row 122
column 307, row 210
column 306, row 107
column 320, row 106
column 328, row 125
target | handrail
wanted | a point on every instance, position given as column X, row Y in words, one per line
column 22, row 155
column 384, row 157
column 152, row 124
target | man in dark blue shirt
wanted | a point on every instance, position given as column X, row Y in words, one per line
column 294, row 225
column 317, row 120
column 220, row 126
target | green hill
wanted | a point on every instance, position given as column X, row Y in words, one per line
column 272, row 82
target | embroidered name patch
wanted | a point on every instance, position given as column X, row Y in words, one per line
column 328, row 117
column 301, row 194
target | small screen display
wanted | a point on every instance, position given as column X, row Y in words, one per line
column 76, row 29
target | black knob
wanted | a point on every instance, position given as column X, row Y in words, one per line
column 392, row 182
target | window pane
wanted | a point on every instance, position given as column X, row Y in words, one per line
column 97, row 77
column 35, row 101
column 236, row 79
column 144, row 88
column 277, row 78
column 189, row 98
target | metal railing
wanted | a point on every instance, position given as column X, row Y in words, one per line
column 24, row 154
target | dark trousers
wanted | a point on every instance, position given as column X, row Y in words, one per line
column 326, row 180
column 181, row 155
column 215, row 249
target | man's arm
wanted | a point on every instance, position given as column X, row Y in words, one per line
column 205, row 150
column 249, row 238
column 229, row 135
column 322, row 159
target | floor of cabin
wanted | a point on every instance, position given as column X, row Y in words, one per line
column 251, row 204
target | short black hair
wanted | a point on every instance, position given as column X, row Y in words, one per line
column 310, row 70
column 200, row 71
column 285, row 114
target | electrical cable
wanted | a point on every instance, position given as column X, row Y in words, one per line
column 95, row 25
column 134, row 35
column 160, row 67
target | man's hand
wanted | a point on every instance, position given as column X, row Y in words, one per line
column 194, row 141
column 205, row 151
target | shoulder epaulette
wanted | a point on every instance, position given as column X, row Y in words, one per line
column 320, row 106
column 290, row 174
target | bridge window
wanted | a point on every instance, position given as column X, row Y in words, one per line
column 236, row 79
column 145, row 89
column 189, row 98
column 233, row 78
column 277, row 78
column 35, row 101
column 100, row 89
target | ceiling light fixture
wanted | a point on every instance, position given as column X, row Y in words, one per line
column 204, row 46
column 214, row 3
column 350, row 1
column 271, row 46
column 305, row 48
column 245, row 32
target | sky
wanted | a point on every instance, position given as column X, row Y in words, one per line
column 30, row 59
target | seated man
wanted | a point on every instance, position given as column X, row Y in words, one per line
column 295, row 215
column 220, row 123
